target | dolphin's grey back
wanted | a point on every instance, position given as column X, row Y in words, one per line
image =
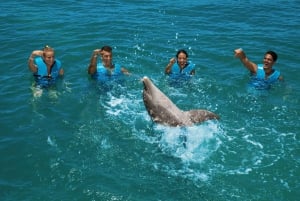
column 162, row 110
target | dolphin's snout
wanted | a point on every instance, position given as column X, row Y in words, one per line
column 146, row 81
column 145, row 78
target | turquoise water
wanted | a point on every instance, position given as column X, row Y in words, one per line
column 84, row 141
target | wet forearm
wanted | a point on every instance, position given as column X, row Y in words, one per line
column 31, row 64
column 93, row 64
column 168, row 68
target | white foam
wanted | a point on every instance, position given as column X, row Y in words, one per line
column 36, row 91
column 114, row 101
column 51, row 142
column 190, row 144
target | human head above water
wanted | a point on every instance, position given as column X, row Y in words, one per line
column 182, row 51
column 48, row 55
column 273, row 54
column 182, row 57
column 106, row 55
column 47, row 49
column 106, row 48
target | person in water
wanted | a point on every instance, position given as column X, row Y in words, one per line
column 44, row 66
column 180, row 64
column 105, row 68
column 262, row 74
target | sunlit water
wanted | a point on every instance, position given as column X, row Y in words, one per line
column 83, row 140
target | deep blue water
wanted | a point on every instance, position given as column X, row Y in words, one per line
column 83, row 140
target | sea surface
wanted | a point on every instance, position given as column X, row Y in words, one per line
column 85, row 140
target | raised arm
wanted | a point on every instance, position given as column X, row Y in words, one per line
column 169, row 66
column 93, row 62
column 31, row 65
column 239, row 53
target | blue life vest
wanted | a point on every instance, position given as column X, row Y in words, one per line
column 186, row 70
column 104, row 74
column 42, row 77
column 260, row 81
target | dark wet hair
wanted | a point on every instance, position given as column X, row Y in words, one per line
column 182, row 51
column 106, row 48
column 273, row 54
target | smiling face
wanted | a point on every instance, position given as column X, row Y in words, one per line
column 268, row 61
column 181, row 59
column 106, row 58
column 49, row 57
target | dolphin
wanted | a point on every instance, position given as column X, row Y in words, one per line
column 163, row 111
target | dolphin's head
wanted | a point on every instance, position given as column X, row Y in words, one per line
column 148, row 92
column 149, row 99
column 147, row 83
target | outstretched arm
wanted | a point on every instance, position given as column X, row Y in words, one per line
column 169, row 66
column 239, row 53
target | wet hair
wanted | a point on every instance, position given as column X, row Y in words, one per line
column 47, row 48
column 273, row 54
column 182, row 51
column 106, row 48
